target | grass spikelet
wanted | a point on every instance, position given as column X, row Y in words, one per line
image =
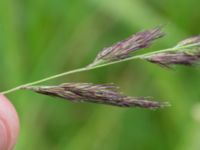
column 96, row 93
column 123, row 49
column 184, row 56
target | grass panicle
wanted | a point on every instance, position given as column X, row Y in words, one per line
column 96, row 93
column 186, row 52
column 191, row 40
column 184, row 56
column 123, row 49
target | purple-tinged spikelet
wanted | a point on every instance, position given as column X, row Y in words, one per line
column 103, row 94
column 124, row 48
column 191, row 40
column 168, row 59
column 183, row 56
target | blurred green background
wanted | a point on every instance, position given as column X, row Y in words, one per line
column 39, row 38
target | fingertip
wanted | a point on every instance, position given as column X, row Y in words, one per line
column 9, row 124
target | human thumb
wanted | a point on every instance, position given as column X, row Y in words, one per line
column 9, row 124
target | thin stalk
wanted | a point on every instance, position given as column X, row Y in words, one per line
column 45, row 79
column 98, row 65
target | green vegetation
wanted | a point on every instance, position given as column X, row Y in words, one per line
column 42, row 38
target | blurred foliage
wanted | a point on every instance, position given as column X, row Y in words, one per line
column 39, row 38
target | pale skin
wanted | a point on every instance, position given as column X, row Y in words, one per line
column 9, row 124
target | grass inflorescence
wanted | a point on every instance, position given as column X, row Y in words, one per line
column 186, row 52
column 96, row 93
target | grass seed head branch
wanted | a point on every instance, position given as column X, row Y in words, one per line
column 186, row 52
column 96, row 93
